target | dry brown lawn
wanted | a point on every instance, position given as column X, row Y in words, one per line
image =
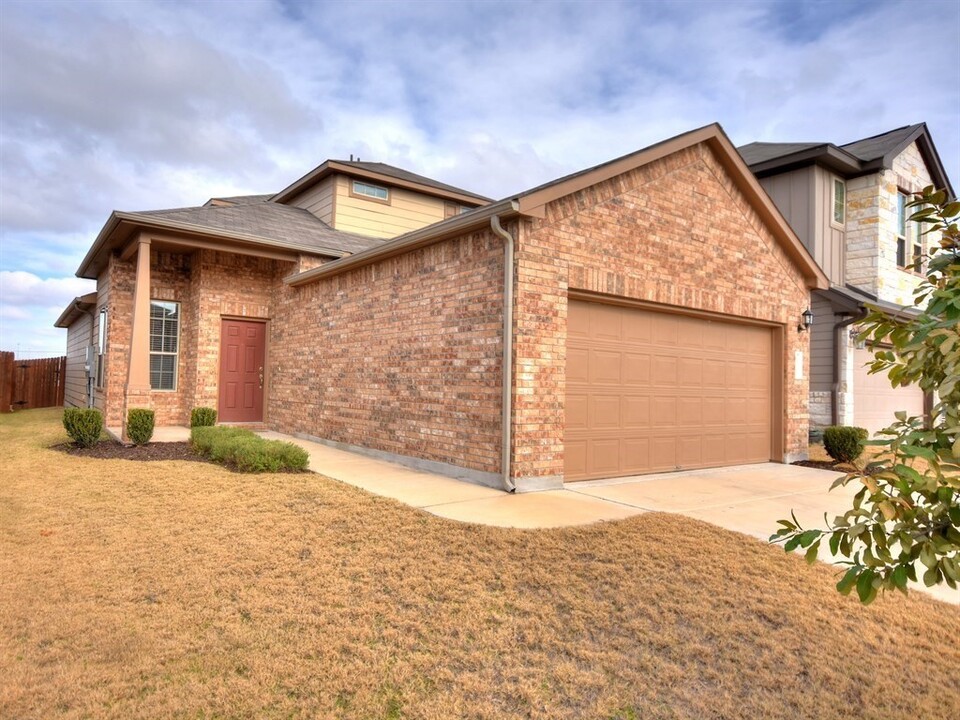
column 177, row 589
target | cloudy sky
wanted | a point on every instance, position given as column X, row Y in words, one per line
column 140, row 105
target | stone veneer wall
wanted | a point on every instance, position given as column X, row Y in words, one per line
column 676, row 232
column 871, row 229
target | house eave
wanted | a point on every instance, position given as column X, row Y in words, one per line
column 112, row 237
column 332, row 167
column 467, row 222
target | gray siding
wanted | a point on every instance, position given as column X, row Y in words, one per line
column 75, row 383
column 828, row 238
column 805, row 198
column 792, row 193
column 821, row 345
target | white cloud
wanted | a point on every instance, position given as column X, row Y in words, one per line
column 159, row 104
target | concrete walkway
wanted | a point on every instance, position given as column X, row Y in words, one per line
column 746, row 498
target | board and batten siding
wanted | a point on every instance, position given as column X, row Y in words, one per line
column 829, row 240
column 405, row 211
column 804, row 197
column 75, row 383
column 318, row 200
column 821, row 345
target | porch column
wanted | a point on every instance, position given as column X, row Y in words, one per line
column 138, row 371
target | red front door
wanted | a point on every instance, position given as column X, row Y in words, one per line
column 242, row 345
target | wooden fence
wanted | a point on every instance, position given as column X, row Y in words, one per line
column 26, row 384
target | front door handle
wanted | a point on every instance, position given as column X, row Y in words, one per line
column 261, row 377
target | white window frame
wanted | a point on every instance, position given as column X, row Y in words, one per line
column 900, row 230
column 366, row 190
column 833, row 203
column 166, row 353
column 100, row 374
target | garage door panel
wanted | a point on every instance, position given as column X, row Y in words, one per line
column 636, row 369
column 636, row 455
column 664, row 410
column 604, row 456
column 663, row 453
column 605, row 367
column 605, row 412
column 690, row 371
column 635, row 411
column 649, row 392
column 875, row 401
column 577, row 411
column 664, row 371
column 578, row 365
column 689, row 449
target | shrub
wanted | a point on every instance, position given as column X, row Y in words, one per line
column 246, row 451
column 83, row 425
column 842, row 442
column 140, row 425
column 203, row 417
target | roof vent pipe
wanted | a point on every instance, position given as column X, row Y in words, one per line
column 506, row 437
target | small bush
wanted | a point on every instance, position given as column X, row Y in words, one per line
column 842, row 442
column 246, row 451
column 83, row 425
column 139, row 425
column 203, row 417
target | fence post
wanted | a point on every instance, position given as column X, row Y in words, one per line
column 6, row 382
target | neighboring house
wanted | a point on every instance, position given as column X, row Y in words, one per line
column 847, row 204
column 644, row 313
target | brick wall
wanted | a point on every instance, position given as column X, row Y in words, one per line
column 208, row 285
column 676, row 232
column 401, row 356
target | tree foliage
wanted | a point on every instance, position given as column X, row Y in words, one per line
column 905, row 518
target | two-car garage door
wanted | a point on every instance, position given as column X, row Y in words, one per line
column 652, row 391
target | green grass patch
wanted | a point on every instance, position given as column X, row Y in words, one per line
column 245, row 451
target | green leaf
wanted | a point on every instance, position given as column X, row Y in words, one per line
column 847, row 582
column 811, row 554
column 899, row 577
column 834, row 542
column 865, row 585
column 931, row 577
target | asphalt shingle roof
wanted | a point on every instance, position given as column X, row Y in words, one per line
column 875, row 147
column 270, row 221
column 401, row 174
column 758, row 152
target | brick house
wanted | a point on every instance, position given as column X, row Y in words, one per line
column 646, row 313
column 847, row 204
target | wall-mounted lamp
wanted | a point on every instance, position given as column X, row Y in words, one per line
column 806, row 320
column 858, row 342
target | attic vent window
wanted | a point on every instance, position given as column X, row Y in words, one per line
column 372, row 191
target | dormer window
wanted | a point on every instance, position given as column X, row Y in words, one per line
column 375, row 192
column 839, row 202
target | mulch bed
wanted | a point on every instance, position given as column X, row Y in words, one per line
column 112, row 450
column 823, row 465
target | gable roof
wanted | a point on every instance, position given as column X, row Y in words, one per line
column 77, row 307
column 855, row 158
column 266, row 224
column 531, row 203
column 379, row 172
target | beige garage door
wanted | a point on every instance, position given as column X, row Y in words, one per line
column 650, row 391
column 874, row 401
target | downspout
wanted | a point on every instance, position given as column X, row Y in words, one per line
column 506, row 438
column 837, row 337
column 93, row 370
